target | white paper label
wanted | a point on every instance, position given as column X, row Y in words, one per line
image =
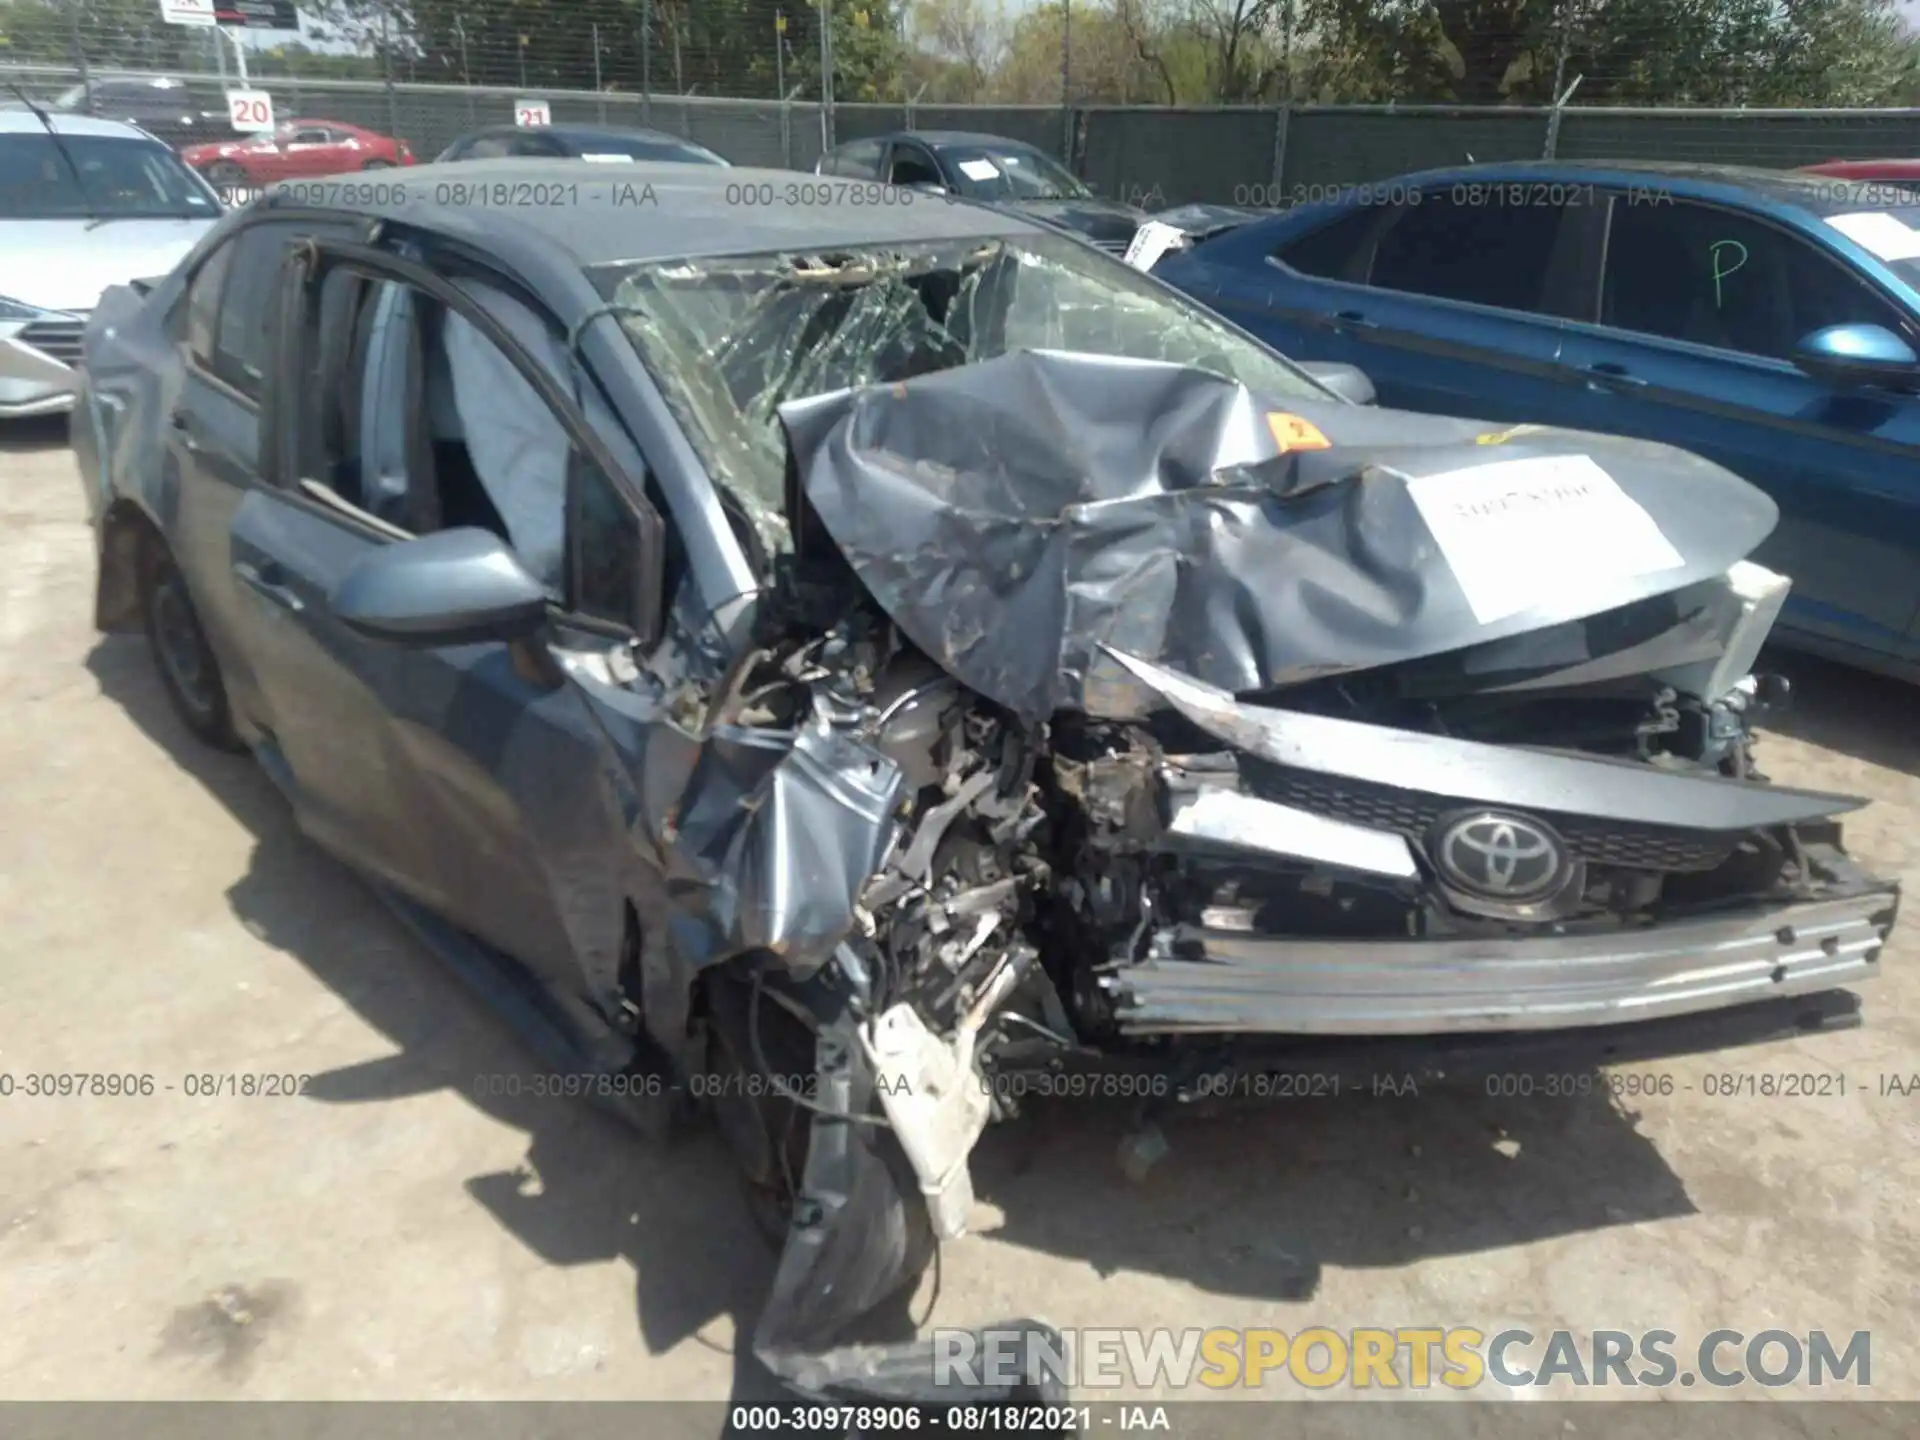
column 979, row 169
column 1152, row 240
column 1531, row 532
column 249, row 110
column 187, row 12
column 1880, row 234
column 528, row 113
column 609, row 159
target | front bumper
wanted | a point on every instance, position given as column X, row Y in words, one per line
column 1226, row 982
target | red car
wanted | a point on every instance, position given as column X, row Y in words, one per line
column 1904, row 174
column 298, row 150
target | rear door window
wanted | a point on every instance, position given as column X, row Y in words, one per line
column 859, row 160
column 911, row 165
column 203, row 304
column 1451, row 248
column 1336, row 250
column 250, row 298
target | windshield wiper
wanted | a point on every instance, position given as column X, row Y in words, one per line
column 58, row 144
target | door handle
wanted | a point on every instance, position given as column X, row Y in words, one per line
column 1353, row 320
column 177, row 419
column 268, row 581
column 1606, row 376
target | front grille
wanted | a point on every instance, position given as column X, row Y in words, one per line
column 1112, row 247
column 1413, row 814
column 56, row 339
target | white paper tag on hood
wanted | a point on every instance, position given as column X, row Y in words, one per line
column 1152, row 240
column 1535, row 531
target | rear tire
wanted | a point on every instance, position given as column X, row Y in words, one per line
column 378, row 165
column 189, row 673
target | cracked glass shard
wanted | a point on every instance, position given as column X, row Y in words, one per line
column 734, row 340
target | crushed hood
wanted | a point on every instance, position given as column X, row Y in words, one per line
column 1015, row 516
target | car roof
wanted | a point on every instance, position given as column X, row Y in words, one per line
column 938, row 138
column 146, row 82
column 593, row 132
column 694, row 211
column 24, row 122
column 1734, row 184
column 1880, row 169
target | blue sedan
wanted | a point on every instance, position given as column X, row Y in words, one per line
column 1767, row 320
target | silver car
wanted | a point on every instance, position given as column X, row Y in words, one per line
column 84, row 204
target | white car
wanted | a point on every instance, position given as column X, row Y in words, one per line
column 84, row 204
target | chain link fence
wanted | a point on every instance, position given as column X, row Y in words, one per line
column 1295, row 99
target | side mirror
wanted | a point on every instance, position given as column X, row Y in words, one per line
column 1349, row 382
column 930, row 187
column 454, row 587
column 1854, row 355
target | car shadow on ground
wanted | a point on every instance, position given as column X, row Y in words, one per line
column 1851, row 712
column 34, row 435
column 1254, row 1204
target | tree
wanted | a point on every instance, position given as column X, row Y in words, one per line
column 1105, row 66
column 697, row 47
column 1653, row 52
column 966, row 38
column 114, row 34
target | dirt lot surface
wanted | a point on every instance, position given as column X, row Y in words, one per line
column 387, row 1234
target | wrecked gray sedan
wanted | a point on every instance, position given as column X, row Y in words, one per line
column 867, row 652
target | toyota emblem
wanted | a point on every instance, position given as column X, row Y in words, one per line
column 1501, row 857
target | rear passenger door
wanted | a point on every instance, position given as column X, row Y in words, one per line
column 1461, row 310
column 1275, row 289
column 1699, row 314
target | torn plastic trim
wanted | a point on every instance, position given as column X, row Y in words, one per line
column 1506, row 777
column 934, row 1095
column 854, row 1244
column 1214, row 981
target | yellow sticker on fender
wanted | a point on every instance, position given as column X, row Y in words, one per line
column 1500, row 437
column 1290, row 432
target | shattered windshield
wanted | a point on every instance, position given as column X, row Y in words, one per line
column 732, row 340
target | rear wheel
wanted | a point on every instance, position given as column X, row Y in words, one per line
column 378, row 165
column 188, row 670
